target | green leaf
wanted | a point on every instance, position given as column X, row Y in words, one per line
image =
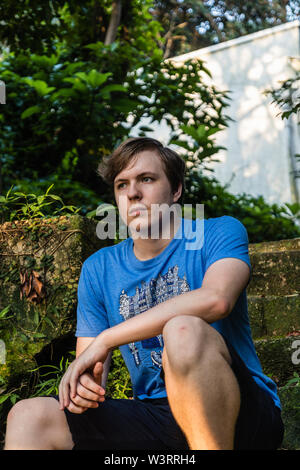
column 213, row 130
column 4, row 311
column 93, row 78
column 189, row 130
column 39, row 335
column 44, row 61
column 56, row 198
column 14, row 398
column 146, row 129
column 4, row 397
column 96, row 79
column 40, row 86
column 201, row 131
column 126, row 105
column 109, row 88
column 71, row 67
column 91, row 213
column 180, row 143
column 77, row 84
column 36, row 318
column 51, row 186
column 63, row 93
column 30, row 111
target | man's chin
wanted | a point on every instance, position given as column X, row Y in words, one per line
column 146, row 231
column 140, row 229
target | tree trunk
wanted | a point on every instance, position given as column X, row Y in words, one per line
column 114, row 22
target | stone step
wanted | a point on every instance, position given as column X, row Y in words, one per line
column 290, row 399
column 278, row 245
column 67, row 242
column 274, row 315
column 279, row 357
column 276, row 268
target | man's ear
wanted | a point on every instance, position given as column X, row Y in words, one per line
column 177, row 193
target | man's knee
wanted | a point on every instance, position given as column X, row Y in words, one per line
column 37, row 421
column 189, row 340
column 29, row 410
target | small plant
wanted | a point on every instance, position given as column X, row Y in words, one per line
column 118, row 383
column 17, row 205
column 294, row 382
column 11, row 395
column 50, row 386
column 4, row 312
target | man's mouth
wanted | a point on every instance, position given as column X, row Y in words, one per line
column 135, row 211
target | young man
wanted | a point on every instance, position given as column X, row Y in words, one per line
column 179, row 316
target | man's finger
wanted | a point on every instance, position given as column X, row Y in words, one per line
column 89, row 382
column 75, row 408
column 61, row 402
column 97, row 372
column 86, row 393
column 83, row 403
column 64, row 392
column 73, row 384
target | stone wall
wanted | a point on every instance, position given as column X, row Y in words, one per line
column 40, row 263
column 274, row 310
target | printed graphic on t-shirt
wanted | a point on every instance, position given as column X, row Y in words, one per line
column 158, row 290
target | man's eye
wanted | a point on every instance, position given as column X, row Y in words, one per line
column 147, row 178
column 121, row 185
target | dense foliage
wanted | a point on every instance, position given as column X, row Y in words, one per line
column 72, row 103
column 184, row 26
column 193, row 24
column 79, row 78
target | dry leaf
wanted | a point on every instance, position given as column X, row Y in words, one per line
column 32, row 287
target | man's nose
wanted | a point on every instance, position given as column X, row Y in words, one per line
column 133, row 191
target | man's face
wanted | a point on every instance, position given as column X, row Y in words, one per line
column 142, row 184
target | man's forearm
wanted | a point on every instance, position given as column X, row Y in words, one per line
column 204, row 303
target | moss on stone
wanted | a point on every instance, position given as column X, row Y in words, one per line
column 275, row 356
column 274, row 315
column 278, row 245
column 275, row 273
column 56, row 249
column 290, row 401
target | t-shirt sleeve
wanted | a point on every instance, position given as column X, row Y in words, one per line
column 91, row 313
column 227, row 238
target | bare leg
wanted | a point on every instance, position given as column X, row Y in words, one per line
column 37, row 424
column 202, row 390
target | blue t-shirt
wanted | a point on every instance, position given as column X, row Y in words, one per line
column 114, row 286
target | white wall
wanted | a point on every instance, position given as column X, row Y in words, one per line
column 258, row 143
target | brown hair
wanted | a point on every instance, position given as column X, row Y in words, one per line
column 173, row 164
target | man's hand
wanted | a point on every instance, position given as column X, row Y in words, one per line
column 89, row 392
column 78, row 388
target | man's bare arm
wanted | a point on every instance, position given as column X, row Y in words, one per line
column 82, row 344
column 222, row 284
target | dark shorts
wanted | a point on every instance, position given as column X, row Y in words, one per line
column 259, row 425
column 119, row 424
